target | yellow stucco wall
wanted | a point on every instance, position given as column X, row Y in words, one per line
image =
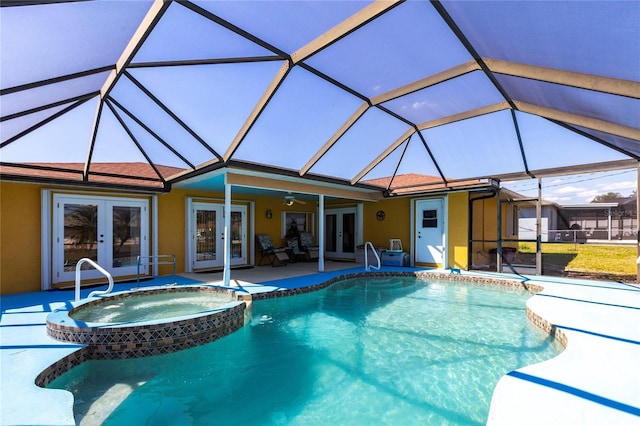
column 458, row 230
column 485, row 227
column 19, row 237
column 172, row 219
column 20, row 234
column 396, row 223
column 171, row 229
column 20, row 226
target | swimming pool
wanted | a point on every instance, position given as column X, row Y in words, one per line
column 391, row 350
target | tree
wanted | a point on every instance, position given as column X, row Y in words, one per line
column 126, row 226
column 81, row 224
column 605, row 198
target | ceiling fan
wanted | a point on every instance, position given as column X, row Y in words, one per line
column 290, row 199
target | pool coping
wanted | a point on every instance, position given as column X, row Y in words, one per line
column 596, row 379
column 597, row 321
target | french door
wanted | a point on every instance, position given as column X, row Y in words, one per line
column 110, row 231
column 340, row 233
column 206, row 231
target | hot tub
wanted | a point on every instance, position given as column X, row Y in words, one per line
column 149, row 321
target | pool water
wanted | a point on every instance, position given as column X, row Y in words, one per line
column 153, row 306
column 396, row 351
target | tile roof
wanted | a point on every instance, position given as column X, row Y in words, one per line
column 413, row 183
column 127, row 174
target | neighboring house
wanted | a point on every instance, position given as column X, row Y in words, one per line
column 614, row 220
column 48, row 225
column 527, row 221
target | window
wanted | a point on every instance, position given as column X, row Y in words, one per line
column 430, row 218
column 293, row 223
column 512, row 220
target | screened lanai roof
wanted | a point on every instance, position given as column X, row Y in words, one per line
column 340, row 91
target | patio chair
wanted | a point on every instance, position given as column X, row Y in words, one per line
column 273, row 256
column 293, row 248
column 306, row 244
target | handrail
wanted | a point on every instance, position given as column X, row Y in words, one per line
column 100, row 269
column 157, row 261
column 368, row 267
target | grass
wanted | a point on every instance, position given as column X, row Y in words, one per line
column 584, row 258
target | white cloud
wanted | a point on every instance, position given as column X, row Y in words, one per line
column 589, row 195
column 559, row 200
column 617, row 186
column 568, row 190
column 415, row 105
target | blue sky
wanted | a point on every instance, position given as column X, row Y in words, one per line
column 579, row 189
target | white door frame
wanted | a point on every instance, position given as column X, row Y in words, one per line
column 190, row 234
column 357, row 227
column 105, row 222
column 415, row 206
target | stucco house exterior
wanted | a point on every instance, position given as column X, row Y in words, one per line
column 48, row 226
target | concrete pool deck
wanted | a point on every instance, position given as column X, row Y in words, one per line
column 595, row 381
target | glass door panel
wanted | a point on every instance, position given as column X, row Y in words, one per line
column 206, row 231
column 349, row 233
column 80, row 235
column 110, row 231
column 340, row 233
column 237, row 232
column 331, row 229
column 126, row 236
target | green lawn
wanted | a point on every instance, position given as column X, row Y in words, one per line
column 614, row 260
